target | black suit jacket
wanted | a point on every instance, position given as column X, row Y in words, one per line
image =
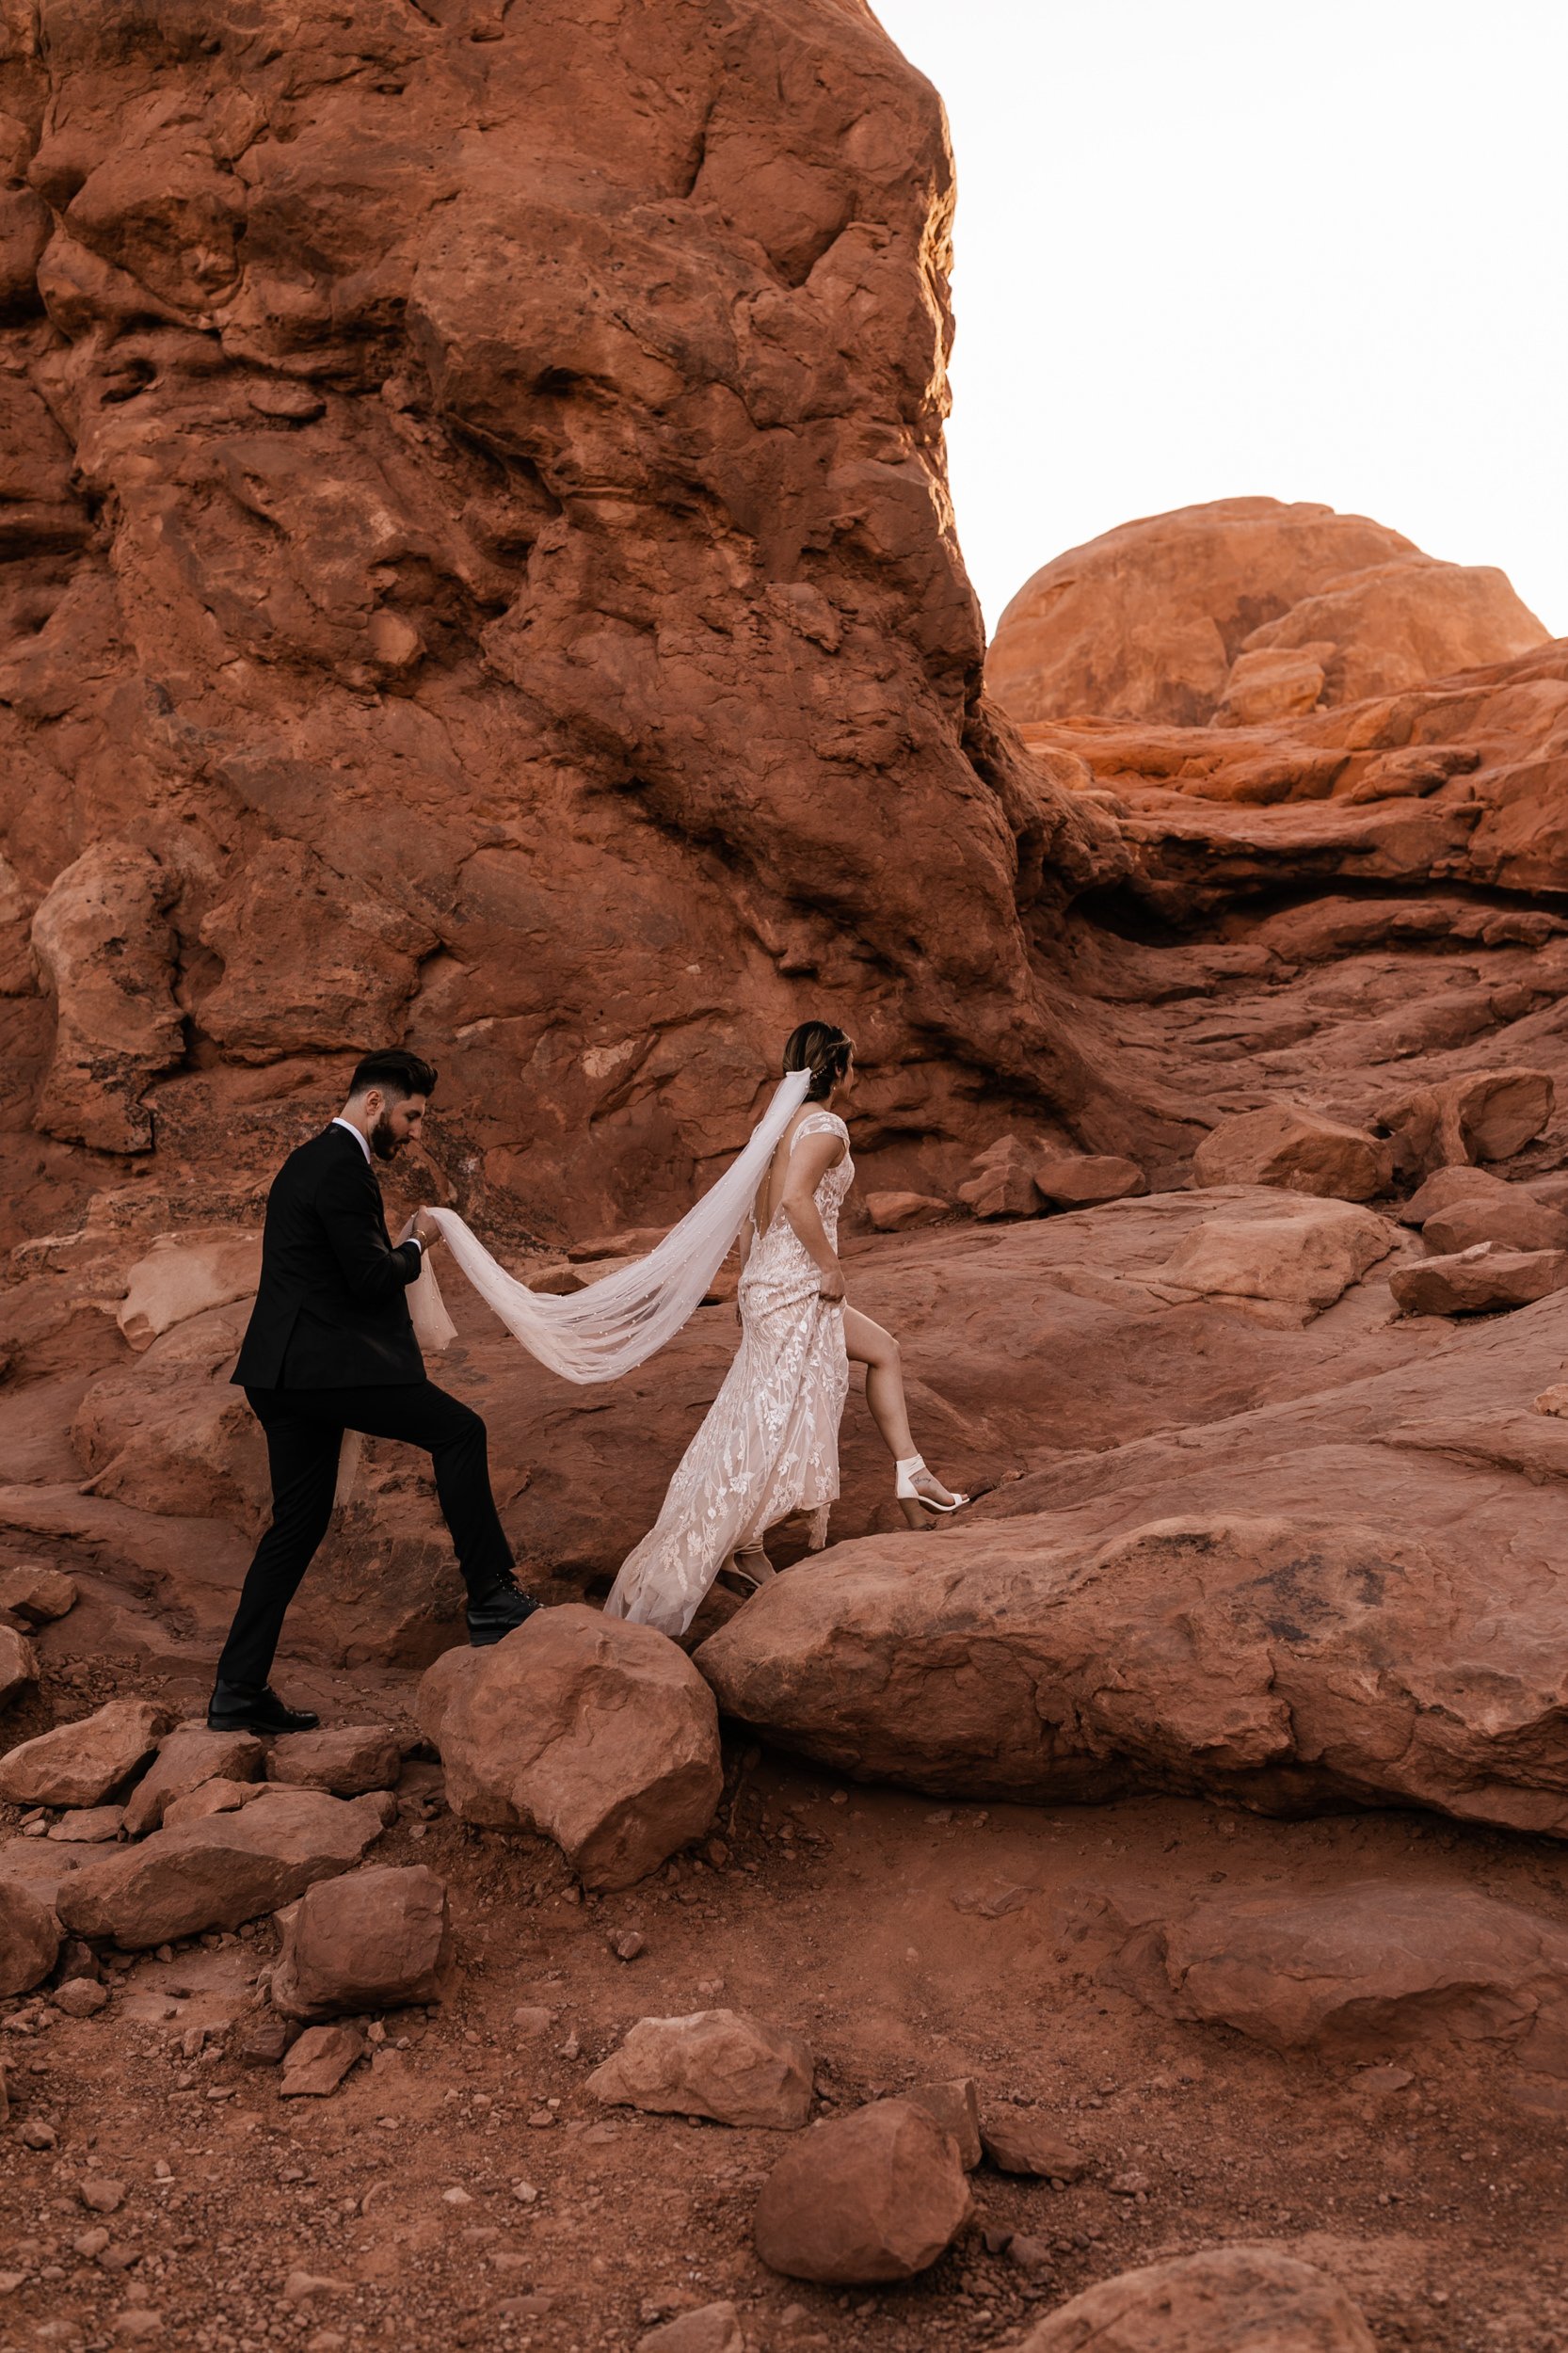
column 331, row 1311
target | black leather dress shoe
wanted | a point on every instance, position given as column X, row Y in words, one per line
column 504, row 1609
column 231, row 1709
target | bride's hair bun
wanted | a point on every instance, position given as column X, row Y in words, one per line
column 822, row 1050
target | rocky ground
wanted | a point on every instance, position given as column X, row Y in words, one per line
column 463, row 2185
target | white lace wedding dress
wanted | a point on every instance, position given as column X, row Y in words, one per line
column 770, row 1444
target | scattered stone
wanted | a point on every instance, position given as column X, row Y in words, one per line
column 1358, row 1969
column 1081, row 1180
column 89, row 1826
column 373, row 1939
column 531, row 2020
column 1031, row 2254
column 303, row 2287
column 720, row 2063
column 29, row 1938
column 898, row 1212
column 138, row 2324
column 955, row 2107
column 1296, row 1149
column 218, row 1796
column 1002, row 1184
column 35, row 2134
column 187, row 1756
column 1476, row 1281
column 348, row 1759
column 36, row 1593
column 711, row 2329
column 90, row 2244
column 81, row 1997
column 627, row 1944
column 100, row 2194
column 1378, row 2080
column 262, row 2041
column 1249, row 2300
column 318, row 2061
column 80, row 1764
column 876, row 2195
column 215, row 1873
column 598, row 1733
column 1024, row 2140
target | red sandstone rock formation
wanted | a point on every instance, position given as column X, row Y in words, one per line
column 1245, row 610
column 480, row 572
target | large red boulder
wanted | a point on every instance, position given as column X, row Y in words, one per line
column 598, row 1733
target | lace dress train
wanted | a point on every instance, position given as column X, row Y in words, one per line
column 769, row 1446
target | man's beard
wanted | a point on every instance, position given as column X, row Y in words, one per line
column 384, row 1142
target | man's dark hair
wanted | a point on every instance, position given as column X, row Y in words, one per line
column 395, row 1071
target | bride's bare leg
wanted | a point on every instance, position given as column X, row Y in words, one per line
column 868, row 1344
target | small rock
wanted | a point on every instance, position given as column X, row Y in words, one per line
column 298, row 403
column 531, row 2020
column 719, row 2063
column 90, row 2243
column 303, row 2287
column 18, row 1665
column 91, row 1826
column 1128, row 2185
column 187, row 1756
column 711, row 2329
column 957, row 2109
column 897, row 1212
column 1476, row 1281
column 37, row 2135
column 79, row 1764
column 626, row 1944
column 1021, row 2140
column 1002, row 1184
column 264, row 2042
column 36, row 1593
column 348, row 1760
column 29, row 1938
column 1250, row 2300
column 457, row 2198
column 373, row 1939
column 1081, row 1180
column 1382, row 2079
column 877, row 2195
column 100, row 2195
column 1031, row 2254
column 317, row 2063
column 81, row 1997
column 138, row 2324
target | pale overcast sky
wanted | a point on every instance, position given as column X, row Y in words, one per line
column 1209, row 248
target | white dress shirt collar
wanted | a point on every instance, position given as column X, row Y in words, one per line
column 348, row 1127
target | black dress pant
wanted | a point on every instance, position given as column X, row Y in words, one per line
column 304, row 1433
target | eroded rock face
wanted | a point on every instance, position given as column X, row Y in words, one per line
column 1248, row 610
column 1249, row 2300
column 601, row 1735
column 476, row 490
column 29, row 1938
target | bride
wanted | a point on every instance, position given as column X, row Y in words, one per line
column 769, row 1447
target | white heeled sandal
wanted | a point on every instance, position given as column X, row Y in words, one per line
column 912, row 1502
column 749, row 1565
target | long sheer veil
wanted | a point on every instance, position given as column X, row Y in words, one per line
column 604, row 1330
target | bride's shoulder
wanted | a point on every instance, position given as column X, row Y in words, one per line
column 823, row 1123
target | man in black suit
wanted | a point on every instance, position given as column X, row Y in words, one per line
column 330, row 1347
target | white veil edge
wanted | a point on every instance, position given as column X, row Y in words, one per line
column 613, row 1325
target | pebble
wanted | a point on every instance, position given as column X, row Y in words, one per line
column 531, row 2018
column 101, row 2195
column 90, row 2243
column 524, row 2193
column 626, row 1944
column 457, row 2198
column 137, row 2325
column 39, row 2136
